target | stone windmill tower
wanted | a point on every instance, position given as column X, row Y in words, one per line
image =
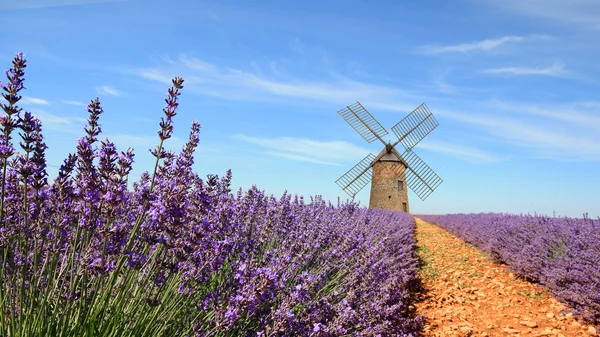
column 390, row 172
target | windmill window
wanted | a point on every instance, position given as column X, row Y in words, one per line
column 405, row 207
column 400, row 185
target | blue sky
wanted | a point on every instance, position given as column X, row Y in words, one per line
column 513, row 84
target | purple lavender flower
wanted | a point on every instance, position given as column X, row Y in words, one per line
column 180, row 254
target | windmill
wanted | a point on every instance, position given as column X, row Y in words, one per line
column 390, row 172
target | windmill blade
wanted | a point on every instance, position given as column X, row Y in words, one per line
column 420, row 177
column 361, row 120
column 415, row 126
column 357, row 177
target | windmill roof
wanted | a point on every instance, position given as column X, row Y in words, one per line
column 389, row 157
column 393, row 156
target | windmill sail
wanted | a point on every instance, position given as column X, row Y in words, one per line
column 361, row 120
column 420, row 177
column 389, row 191
column 415, row 126
column 357, row 177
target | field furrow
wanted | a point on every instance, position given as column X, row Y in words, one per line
column 466, row 294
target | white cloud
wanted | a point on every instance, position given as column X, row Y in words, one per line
column 554, row 142
column 556, row 69
column 297, row 157
column 308, row 150
column 467, row 153
column 108, row 90
column 76, row 103
column 58, row 123
column 208, row 79
column 48, row 118
column 483, row 45
column 581, row 12
column 582, row 114
column 25, row 100
column 155, row 75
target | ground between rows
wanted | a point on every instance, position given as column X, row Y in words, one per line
column 466, row 294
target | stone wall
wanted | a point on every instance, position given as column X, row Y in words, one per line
column 385, row 193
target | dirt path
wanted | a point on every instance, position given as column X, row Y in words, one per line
column 468, row 295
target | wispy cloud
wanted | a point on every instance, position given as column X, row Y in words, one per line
column 307, row 150
column 25, row 100
column 30, row 4
column 51, row 119
column 297, row 157
column 54, row 122
column 76, row 103
column 153, row 74
column 466, row 153
column 108, row 90
column 581, row 12
column 553, row 142
column 557, row 70
column 580, row 114
column 208, row 79
column 483, row 45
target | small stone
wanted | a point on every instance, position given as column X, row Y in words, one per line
column 592, row 331
column 466, row 330
column 550, row 315
column 560, row 307
column 509, row 330
column 529, row 324
column 569, row 315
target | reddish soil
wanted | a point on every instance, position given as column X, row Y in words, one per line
column 466, row 294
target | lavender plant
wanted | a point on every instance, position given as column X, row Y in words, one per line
column 562, row 254
column 181, row 255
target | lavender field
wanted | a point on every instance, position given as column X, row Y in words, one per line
column 181, row 255
column 562, row 254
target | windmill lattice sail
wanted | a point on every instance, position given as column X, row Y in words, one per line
column 415, row 126
column 420, row 177
column 357, row 177
column 361, row 120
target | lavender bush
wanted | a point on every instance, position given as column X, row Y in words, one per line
column 180, row 255
column 562, row 254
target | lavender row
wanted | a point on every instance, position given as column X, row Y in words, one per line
column 562, row 254
column 181, row 255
